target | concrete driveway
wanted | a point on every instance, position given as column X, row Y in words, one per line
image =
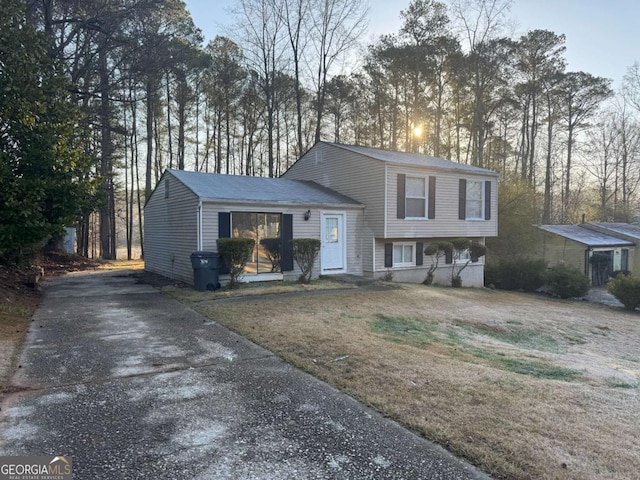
column 134, row 385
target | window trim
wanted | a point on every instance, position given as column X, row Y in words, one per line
column 425, row 179
column 413, row 254
column 482, row 201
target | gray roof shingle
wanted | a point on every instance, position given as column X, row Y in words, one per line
column 625, row 229
column 590, row 238
column 211, row 186
column 416, row 159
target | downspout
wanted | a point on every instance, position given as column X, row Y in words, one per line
column 199, row 240
column 385, row 198
column 373, row 246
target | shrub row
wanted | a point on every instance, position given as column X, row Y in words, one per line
column 529, row 275
column 517, row 274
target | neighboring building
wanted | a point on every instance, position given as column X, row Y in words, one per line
column 625, row 231
column 590, row 248
column 373, row 210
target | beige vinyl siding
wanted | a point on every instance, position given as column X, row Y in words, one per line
column 301, row 228
column 170, row 230
column 472, row 275
column 446, row 222
column 351, row 174
column 560, row 250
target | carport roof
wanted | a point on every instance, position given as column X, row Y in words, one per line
column 212, row 186
column 590, row 238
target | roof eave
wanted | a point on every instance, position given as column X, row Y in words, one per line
column 486, row 173
column 229, row 201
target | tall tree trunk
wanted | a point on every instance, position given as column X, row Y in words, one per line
column 182, row 120
column 567, row 187
column 150, row 122
column 546, row 208
column 169, row 123
column 105, row 153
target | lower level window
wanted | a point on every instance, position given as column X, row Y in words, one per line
column 404, row 254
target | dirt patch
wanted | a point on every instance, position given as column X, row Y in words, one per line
column 526, row 387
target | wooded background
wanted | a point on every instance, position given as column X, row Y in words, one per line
column 139, row 93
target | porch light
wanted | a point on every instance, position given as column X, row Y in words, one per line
column 307, row 215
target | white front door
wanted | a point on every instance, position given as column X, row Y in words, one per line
column 333, row 243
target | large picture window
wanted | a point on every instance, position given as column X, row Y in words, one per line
column 265, row 230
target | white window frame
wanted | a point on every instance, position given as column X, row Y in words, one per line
column 425, row 198
column 412, row 263
column 467, row 209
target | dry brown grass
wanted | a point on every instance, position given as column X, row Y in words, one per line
column 188, row 294
column 444, row 362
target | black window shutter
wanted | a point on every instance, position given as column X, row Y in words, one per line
column 224, row 231
column 448, row 257
column 286, row 262
column 224, row 225
column 462, row 200
column 388, row 255
column 419, row 253
column 487, row 200
column 402, row 180
column 432, row 198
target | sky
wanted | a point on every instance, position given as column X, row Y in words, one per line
column 602, row 36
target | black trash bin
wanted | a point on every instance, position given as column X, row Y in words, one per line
column 205, row 270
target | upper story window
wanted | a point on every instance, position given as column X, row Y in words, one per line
column 416, row 196
column 475, row 200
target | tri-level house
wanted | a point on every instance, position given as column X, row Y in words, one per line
column 409, row 201
column 373, row 210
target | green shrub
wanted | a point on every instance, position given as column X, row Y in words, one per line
column 436, row 251
column 626, row 288
column 305, row 251
column 459, row 247
column 516, row 274
column 567, row 282
column 235, row 252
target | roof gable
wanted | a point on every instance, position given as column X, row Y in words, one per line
column 413, row 159
column 212, row 186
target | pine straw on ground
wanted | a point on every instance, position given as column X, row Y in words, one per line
column 524, row 387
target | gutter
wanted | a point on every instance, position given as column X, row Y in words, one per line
column 225, row 201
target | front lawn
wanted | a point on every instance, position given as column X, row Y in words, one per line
column 524, row 387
